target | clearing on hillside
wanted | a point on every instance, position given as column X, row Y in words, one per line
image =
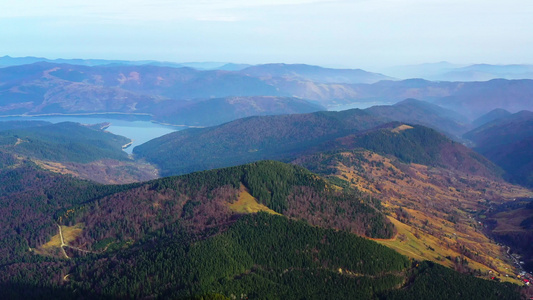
column 53, row 247
column 247, row 204
column 401, row 128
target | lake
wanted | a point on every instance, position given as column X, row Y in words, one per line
column 140, row 131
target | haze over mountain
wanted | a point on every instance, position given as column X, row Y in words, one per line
column 445, row 71
column 313, row 73
column 8, row 61
column 492, row 115
column 48, row 88
column 424, row 113
column 221, row 110
column 45, row 88
column 424, row 71
column 508, row 142
column 471, row 99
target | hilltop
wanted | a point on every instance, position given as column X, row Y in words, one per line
column 492, row 115
column 423, row 113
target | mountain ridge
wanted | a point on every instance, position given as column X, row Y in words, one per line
column 507, row 142
column 283, row 137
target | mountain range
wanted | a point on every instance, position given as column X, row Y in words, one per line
column 301, row 72
column 278, row 198
column 8, row 61
column 50, row 88
column 445, row 71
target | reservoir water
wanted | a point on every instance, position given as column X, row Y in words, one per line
column 140, row 131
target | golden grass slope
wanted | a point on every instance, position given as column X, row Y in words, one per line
column 434, row 210
column 247, row 204
column 53, row 247
column 401, row 128
column 54, row 167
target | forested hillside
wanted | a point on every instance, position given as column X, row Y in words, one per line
column 127, row 225
column 512, row 224
column 249, row 139
column 258, row 257
column 182, row 237
column 435, row 209
column 200, row 201
column 34, row 199
column 62, row 142
column 84, row 151
column 30, row 197
column 420, row 145
column 508, row 141
column 287, row 137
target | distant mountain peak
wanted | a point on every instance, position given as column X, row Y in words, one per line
column 492, row 115
column 314, row 73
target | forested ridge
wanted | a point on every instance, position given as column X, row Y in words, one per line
column 31, row 198
column 62, row 142
column 420, row 145
column 200, row 201
column 250, row 139
column 260, row 256
column 176, row 238
column 286, row 138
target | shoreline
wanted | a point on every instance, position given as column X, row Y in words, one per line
column 176, row 125
column 76, row 114
column 102, row 114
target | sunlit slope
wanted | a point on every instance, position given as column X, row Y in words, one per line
column 435, row 210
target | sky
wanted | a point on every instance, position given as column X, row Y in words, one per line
column 367, row 34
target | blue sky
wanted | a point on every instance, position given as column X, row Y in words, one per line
column 356, row 33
